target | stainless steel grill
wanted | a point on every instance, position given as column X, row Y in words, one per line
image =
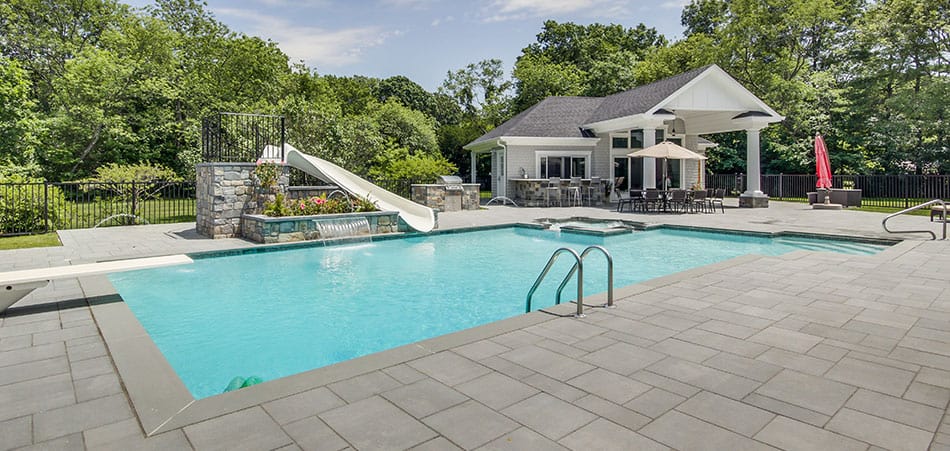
column 451, row 182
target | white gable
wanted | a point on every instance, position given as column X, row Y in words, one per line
column 714, row 90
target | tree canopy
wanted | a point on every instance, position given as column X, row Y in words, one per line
column 86, row 84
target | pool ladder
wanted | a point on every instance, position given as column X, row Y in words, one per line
column 933, row 236
column 579, row 269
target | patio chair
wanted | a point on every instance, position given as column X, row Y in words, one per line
column 678, row 200
column 940, row 211
column 651, row 197
column 717, row 199
column 553, row 192
column 697, row 201
column 574, row 192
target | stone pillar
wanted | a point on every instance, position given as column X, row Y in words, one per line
column 753, row 197
column 649, row 164
column 223, row 193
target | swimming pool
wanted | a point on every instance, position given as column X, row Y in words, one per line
column 273, row 314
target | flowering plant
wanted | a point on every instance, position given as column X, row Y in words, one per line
column 267, row 173
column 317, row 205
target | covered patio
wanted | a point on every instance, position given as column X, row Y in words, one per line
column 585, row 137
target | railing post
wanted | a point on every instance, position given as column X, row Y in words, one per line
column 46, row 205
column 283, row 137
column 906, row 190
column 780, row 186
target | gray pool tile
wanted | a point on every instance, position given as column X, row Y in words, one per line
column 449, row 368
column 742, row 418
column 424, row 397
column 742, row 366
column 610, row 386
column 546, row 362
column 480, row 350
column 364, row 386
column 623, row 358
column 705, row 377
column 928, row 394
column 683, row 432
column 249, row 429
column 613, row 412
column 33, row 370
column 602, row 434
column 470, row 424
column 79, row 417
column 97, row 387
column 869, row 375
column 437, row 444
column 21, row 398
column 896, row 409
column 786, row 339
column 878, row 431
column 312, row 434
column 549, row 416
column 302, row 405
column 31, row 354
column 795, row 361
column 16, row 432
column 655, row 402
column 522, row 439
column 391, row 427
column 496, row 391
column 791, row 435
column 814, row 393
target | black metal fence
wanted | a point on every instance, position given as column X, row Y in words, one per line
column 27, row 208
column 400, row 187
column 891, row 191
column 240, row 137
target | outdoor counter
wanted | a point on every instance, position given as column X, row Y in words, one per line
column 532, row 192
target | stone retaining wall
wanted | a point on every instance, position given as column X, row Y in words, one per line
column 224, row 192
column 265, row 229
column 435, row 196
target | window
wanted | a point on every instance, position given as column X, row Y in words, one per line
column 619, row 142
column 660, row 134
column 636, row 139
column 563, row 166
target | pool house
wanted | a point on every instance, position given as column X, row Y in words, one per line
column 590, row 137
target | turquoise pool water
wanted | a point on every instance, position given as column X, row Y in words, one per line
column 274, row 314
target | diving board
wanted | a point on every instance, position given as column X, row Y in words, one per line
column 14, row 285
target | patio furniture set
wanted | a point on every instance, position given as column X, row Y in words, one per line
column 674, row 201
column 574, row 191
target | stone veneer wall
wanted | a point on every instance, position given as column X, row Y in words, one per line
column 224, row 192
column 265, row 229
column 433, row 196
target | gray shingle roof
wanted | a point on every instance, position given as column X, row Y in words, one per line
column 561, row 117
column 558, row 117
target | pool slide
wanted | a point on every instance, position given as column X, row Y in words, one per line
column 417, row 216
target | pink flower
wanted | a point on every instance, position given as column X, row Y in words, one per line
column 320, row 201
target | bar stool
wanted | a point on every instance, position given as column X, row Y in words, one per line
column 553, row 189
column 574, row 192
column 593, row 188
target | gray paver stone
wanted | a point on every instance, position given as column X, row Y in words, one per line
column 249, row 429
column 604, row 435
column 792, row 435
column 391, row 427
column 470, row 424
column 302, row 405
column 424, row 397
column 496, row 391
column 810, row 392
column 878, row 431
column 741, row 418
column 522, row 439
column 312, row 434
column 549, row 416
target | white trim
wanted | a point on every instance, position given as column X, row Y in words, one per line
column 563, row 153
column 620, row 135
column 549, row 142
column 722, row 73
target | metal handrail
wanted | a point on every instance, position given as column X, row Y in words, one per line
column 610, row 275
column 918, row 207
column 579, row 265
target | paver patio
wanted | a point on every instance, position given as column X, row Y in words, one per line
column 803, row 351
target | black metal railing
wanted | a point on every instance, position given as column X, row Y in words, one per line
column 240, row 137
column 890, row 191
column 27, row 208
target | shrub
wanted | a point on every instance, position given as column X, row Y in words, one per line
column 25, row 204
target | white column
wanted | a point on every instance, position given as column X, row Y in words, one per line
column 649, row 164
column 754, row 176
column 474, row 166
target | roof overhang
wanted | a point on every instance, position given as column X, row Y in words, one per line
column 532, row 141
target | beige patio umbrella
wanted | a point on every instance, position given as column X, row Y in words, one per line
column 666, row 150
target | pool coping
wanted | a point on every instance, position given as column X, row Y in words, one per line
column 163, row 403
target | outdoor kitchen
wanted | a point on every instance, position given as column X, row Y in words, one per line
column 447, row 193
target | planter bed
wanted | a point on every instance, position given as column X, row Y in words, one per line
column 266, row 229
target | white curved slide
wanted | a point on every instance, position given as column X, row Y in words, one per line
column 417, row 216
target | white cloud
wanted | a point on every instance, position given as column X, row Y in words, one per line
column 317, row 46
column 410, row 4
column 674, row 4
column 505, row 10
column 442, row 20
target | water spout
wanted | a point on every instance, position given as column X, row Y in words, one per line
column 342, row 227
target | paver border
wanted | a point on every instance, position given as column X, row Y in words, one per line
column 163, row 403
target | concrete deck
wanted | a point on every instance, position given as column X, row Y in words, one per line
column 804, row 351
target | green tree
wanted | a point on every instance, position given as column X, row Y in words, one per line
column 536, row 77
column 19, row 126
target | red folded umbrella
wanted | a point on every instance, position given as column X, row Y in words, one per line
column 822, row 164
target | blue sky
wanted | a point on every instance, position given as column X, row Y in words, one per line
column 422, row 39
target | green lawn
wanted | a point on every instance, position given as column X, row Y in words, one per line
column 26, row 241
column 155, row 211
